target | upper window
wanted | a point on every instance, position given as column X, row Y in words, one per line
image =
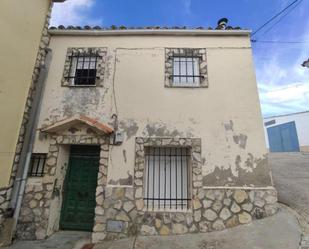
column 37, row 164
column 185, row 67
column 186, row 71
column 84, row 67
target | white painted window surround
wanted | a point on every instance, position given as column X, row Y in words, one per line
column 167, row 178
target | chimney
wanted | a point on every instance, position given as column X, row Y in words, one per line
column 306, row 63
column 222, row 23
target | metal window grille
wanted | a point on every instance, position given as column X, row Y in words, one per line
column 37, row 164
column 167, row 178
column 83, row 68
column 186, row 69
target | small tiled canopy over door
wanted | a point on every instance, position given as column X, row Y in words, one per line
column 80, row 186
column 283, row 138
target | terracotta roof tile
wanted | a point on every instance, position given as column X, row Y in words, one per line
column 61, row 124
column 113, row 27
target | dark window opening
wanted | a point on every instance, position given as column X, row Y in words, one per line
column 85, row 77
column 167, row 178
column 37, row 163
column 83, row 69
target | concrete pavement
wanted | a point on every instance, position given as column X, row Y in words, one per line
column 60, row 240
column 280, row 231
column 291, row 178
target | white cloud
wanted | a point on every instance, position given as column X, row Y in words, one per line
column 283, row 83
column 74, row 12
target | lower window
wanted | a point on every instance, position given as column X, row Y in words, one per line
column 37, row 164
column 167, row 178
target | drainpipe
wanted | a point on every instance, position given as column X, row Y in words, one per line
column 25, row 156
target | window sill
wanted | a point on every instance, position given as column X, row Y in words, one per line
column 82, row 86
column 182, row 86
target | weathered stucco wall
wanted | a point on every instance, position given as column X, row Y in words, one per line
column 226, row 115
column 21, row 32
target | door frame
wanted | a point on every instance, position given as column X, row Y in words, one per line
column 52, row 183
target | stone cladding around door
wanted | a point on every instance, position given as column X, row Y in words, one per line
column 122, row 213
column 35, row 213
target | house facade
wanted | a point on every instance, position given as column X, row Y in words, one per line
column 150, row 132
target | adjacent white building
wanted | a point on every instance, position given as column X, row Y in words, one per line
column 287, row 133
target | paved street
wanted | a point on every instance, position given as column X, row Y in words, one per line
column 291, row 178
column 60, row 240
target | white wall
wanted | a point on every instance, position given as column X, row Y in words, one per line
column 301, row 123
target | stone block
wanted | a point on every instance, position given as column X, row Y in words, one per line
column 179, row 228
column 225, row 213
column 244, row 218
column 148, row 230
column 240, row 196
column 218, row 225
column 210, row 215
column 128, row 206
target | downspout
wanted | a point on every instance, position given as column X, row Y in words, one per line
column 23, row 166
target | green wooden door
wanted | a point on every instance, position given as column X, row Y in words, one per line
column 80, row 186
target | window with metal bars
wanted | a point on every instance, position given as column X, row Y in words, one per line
column 37, row 163
column 167, row 178
column 83, row 68
column 186, row 70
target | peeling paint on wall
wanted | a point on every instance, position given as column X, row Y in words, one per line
column 129, row 127
column 251, row 171
column 229, row 126
column 163, row 130
column 122, row 181
column 124, row 153
column 241, row 140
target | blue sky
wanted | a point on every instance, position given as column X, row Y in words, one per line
column 283, row 83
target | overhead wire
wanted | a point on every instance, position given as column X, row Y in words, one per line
column 280, row 19
column 274, row 17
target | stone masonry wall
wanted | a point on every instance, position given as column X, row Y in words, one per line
column 123, row 215
column 123, row 212
column 5, row 193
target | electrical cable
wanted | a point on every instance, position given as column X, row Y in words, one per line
column 282, row 42
column 280, row 19
column 274, row 17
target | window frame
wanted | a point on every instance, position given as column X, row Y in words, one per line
column 174, row 175
column 69, row 78
column 32, row 167
column 172, row 53
column 195, row 170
